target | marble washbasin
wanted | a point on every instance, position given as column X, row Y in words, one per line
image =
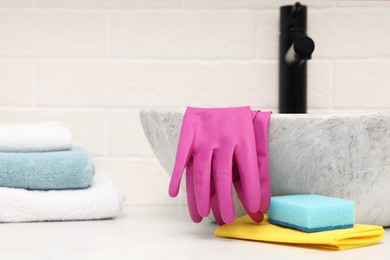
column 345, row 156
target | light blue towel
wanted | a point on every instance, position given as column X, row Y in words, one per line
column 71, row 169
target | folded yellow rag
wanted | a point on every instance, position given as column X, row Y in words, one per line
column 339, row 239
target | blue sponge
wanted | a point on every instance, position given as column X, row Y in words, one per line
column 311, row 213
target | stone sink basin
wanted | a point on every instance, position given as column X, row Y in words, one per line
column 344, row 156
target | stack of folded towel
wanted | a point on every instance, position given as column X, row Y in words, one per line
column 43, row 178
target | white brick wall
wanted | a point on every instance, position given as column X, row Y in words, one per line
column 182, row 34
column 53, row 34
column 93, row 64
column 227, row 83
column 16, row 81
column 107, row 83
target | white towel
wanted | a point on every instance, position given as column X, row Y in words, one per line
column 35, row 137
column 103, row 199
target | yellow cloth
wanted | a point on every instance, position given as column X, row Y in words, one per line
column 340, row 239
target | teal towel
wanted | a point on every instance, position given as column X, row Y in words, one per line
column 58, row 170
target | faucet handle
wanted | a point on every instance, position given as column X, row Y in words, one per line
column 300, row 50
column 303, row 47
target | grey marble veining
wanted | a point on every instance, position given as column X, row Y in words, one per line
column 345, row 156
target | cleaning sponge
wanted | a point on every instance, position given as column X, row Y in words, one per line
column 311, row 213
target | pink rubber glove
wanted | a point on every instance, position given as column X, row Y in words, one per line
column 210, row 139
column 260, row 123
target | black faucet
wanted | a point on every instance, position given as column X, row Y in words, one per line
column 295, row 48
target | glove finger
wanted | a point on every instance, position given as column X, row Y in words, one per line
column 183, row 154
column 246, row 159
column 202, row 176
column 261, row 123
column 256, row 216
column 215, row 206
column 222, row 175
column 191, row 200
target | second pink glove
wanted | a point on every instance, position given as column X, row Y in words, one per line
column 219, row 147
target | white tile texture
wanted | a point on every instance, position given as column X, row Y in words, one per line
column 105, row 83
column 93, row 64
column 16, row 3
column 53, row 34
column 182, row 34
column 16, row 81
column 108, row 3
column 229, row 83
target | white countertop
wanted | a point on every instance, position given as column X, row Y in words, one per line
column 152, row 233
